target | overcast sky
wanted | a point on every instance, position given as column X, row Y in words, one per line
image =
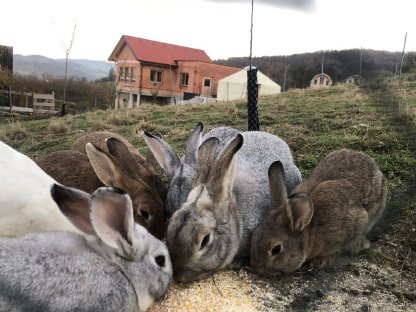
column 220, row 27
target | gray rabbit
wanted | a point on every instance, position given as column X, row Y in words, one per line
column 228, row 198
column 331, row 211
column 180, row 171
column 116, row 266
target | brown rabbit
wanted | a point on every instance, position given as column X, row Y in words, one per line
column 117, row 164
column 331, row 211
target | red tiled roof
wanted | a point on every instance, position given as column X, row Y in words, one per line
column 160, row 52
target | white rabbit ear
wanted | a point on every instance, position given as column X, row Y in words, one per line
column 111, row 215
column 194, row 141
column 206, row 156
column 299, row 212
column 74, row 205
column 163, row 152
column 277, row 187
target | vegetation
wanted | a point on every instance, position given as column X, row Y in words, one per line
column 339, row 65
column 378, row 118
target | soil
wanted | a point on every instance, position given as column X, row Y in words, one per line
column 379, row 280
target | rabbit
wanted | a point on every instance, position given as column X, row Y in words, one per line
column 70, row 168
column 229, row 196
column 118, row 164
column 117, row 266
column 330, row 212
column 25, row 202
column 180, row 171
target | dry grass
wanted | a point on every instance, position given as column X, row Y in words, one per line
column 15, row 130
column 58, row 126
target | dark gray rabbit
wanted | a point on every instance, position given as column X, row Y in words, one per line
column 117, row 266
column 229, row 196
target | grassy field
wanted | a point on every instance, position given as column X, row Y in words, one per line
column 378, row 118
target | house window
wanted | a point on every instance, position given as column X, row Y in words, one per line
column 121, row 74
column 126, row 74
column 207, row 82
column 184, row 79
column 156, row 76
column 132, row 74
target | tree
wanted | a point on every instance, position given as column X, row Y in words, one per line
column 67, row 52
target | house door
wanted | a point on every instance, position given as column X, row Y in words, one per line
column 206, row 89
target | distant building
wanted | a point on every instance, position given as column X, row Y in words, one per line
column 321, row 81
column 354, row 79
column 6, row 58
column 234, row 87
column 153, row 71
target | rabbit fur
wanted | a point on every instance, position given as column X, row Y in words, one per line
column 180, row 171
column 229, row 196
column 25, row 202
column 112, row 161
column 117, row 266
column 332, row 211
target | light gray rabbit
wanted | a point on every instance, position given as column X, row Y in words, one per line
column 229, row 197
column 180, row 171
column 331, row 211
column 117, row 266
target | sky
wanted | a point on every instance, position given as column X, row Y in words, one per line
column 219, row 27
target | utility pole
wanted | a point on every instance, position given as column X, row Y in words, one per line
column 284, row 80
column 401, row 61
column 361, row 62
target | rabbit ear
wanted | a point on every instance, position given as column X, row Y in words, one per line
column 74, row 205
column 111, row 214
column 106, row 167
column 163, row 152
column 299, row 212
column 277, row 187
column 194, row 141
column 130, row 159
column 150, row 158
column 222, row 175
column 206, row 156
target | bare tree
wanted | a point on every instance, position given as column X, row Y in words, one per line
column 67, row 52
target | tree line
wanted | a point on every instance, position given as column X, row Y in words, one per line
column 339, row 65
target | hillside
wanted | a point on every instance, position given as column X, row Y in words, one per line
column 378, row 118
column 41, row 66
column 339, row 65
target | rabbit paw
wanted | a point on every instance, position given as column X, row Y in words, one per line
column 321, row 262
column 357, row 245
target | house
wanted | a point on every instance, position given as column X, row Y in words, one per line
column 321, row 80
column 152, row 71
column 234, row 87
column 354, row 79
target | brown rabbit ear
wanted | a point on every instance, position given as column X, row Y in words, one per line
column 278, row 193
column 206, row 156
column 299, row 212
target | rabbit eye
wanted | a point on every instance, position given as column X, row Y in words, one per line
column 204, row 242
column 144, row 214
column 160, row 261
column 276, row 250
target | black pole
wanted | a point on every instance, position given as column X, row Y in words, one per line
column 252, row 87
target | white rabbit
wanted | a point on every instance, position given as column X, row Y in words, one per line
column 117, row 266
column 25, row 201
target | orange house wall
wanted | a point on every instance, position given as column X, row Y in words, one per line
column 170, row 85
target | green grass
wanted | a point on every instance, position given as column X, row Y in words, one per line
column 378, row 118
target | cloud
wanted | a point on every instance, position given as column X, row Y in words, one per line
column 301, row 5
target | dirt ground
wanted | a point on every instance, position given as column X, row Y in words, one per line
column 362, row 283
